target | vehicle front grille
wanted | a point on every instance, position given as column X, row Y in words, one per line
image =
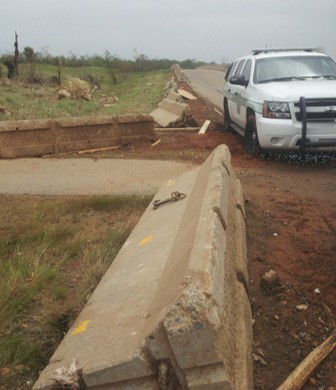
column 318, row 110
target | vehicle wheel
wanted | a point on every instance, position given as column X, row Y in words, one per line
column 252, row 145
column 227, row 119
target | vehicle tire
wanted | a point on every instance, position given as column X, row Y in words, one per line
column 227, row 119
column 252, row 145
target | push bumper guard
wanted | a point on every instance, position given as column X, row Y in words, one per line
column 303, row 103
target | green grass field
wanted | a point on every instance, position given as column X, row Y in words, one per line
column 136, row 93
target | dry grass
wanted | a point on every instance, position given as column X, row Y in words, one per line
column 53, row 252
column 78, row 89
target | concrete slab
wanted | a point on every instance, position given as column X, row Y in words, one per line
column 86, row 176
column 187, row 95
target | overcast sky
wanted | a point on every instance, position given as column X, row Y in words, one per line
column 209, row 30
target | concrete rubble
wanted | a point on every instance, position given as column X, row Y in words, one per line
column 172, row 112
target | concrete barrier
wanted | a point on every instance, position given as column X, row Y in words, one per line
column 179, row 75
column 172, row 111
column 172, row 311
column 33, row 138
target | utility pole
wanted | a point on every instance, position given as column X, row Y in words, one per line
column 16, row 56
column 60, row 63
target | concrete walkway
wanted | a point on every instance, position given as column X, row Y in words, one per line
column 87, row 176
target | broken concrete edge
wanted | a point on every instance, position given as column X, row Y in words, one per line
column 196, row 320
column 34, row 138
column 171, row 111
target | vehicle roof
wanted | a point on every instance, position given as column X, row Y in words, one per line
column 267, row 53
column 286, row 53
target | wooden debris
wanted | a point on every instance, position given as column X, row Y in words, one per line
column 218, row 112
column 301, row 374
column 204, row 127
column 177, row 129
column 156, row 142
column 329, row 314
column 98, row 150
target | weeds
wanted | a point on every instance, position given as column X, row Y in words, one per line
column 137, row 93
column 53, row 252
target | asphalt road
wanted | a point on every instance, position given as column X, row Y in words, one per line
column 208, row 83
column 83, row 176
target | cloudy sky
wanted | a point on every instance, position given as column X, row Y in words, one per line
column 209, row 30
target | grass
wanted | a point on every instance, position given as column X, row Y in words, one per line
column 137, row 93
column 53, row 252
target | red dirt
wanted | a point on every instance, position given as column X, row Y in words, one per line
column 291, row 226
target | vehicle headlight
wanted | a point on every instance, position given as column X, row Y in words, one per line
column 279, row 110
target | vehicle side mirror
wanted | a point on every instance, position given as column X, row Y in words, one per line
column 239, row 80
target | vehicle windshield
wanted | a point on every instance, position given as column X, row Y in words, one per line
column 293, row 68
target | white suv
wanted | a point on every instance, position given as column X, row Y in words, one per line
column 282, row 99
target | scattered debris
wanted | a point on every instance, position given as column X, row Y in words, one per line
column 259, row 357
column 4, row 110
column 302, row 307
column 187, row 95
column 63, row 94
column 172, row 113
column 78, row 89
column 69, row 377
column 195, row 129
column 98, row 150
column 218, row 112
column 317, row 291
column 329, row 315
column 108, row 101
column 270, row 279
column 174, row 197
column 156, row 142
column 170, row 86
column 204, row 127
column 302, row 373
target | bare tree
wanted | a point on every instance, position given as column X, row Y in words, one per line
column 16, row 55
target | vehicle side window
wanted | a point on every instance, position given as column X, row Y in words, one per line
column 247, row 70
column 229, row 72
column 240, row 67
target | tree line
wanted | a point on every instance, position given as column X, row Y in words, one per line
column 140, row 62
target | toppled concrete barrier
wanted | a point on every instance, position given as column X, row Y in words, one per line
column 172, row 111
column 178, row 73
column 33, row 138
column 172, row 311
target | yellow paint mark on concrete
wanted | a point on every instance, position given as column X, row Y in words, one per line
column 81, row 327
column 170, row 183
column 146, row 240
